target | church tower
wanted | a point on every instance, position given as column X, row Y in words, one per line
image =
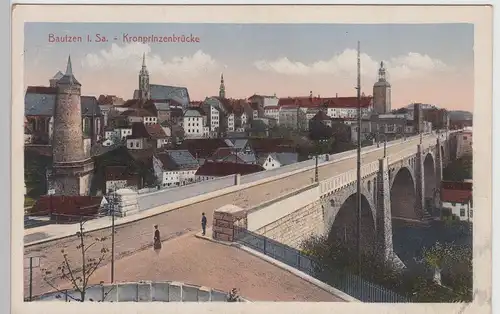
column 72, row 168
column 222, row 88
column 382, row 92
column 144, row 91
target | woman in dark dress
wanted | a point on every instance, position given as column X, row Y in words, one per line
column 156, row 240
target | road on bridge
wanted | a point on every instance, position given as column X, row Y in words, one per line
column 134, row 237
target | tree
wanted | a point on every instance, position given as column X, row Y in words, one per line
column 78, row 274
column 459, row 170
column 458, row 261
column 435, row 257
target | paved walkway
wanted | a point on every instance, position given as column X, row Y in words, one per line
column 197, row 261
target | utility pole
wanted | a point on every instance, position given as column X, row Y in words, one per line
column 358, row 164
column 316, row 174
column 30, row 266
column 113, row 203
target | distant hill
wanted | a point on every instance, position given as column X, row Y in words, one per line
column 454, row 114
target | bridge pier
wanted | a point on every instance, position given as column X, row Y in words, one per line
column 383, row 203
column 419, row 184
column 439, row 173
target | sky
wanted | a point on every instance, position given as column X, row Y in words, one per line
column 427, row 63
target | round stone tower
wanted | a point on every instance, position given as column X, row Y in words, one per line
column 72, row 168
column 382, row 92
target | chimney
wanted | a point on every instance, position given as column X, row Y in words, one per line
column 336, row 95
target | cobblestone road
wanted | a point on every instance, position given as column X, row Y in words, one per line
column 197, row 261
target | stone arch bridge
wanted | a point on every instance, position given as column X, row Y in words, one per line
column 396, row 182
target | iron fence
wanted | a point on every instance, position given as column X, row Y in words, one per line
column 348, row 283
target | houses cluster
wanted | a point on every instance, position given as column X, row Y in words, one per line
column 196, row 160
column 173, row 141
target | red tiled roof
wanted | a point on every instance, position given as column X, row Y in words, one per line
column 150, row 131
column 72, row 206
column 454, row 185
column 271, row 145
column 221, row 169
column 456, row 192
column 222, row 152
column 41, row 90
column 456, row 196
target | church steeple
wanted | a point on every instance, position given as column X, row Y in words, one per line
column 144, row 80
column 222, row 88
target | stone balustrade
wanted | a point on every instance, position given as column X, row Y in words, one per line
column 144, row 291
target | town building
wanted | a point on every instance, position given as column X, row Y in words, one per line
column 194, row 123
column 146, row 135
column 175, row 168
column 119, row 177
column 456, row 199
column 276, row 160
column 464, row 143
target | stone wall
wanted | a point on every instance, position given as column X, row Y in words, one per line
column 142, row 292
column 296, row 227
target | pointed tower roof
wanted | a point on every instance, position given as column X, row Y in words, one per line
column 68, row 77
column 144, row 68
column 58, row 75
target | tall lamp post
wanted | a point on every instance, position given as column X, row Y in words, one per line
column 358, row 163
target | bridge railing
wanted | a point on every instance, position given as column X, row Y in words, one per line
column 163, row 196
column 350, row 284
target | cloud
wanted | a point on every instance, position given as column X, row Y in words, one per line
column 345, row 64
column 130, row 56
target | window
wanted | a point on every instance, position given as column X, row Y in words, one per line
column 462, row 212
column 470, row 213
column 453, row 204
column 465, row 137
column 131, row 144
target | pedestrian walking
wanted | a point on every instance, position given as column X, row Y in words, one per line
column 203, row 223
column 157, row 240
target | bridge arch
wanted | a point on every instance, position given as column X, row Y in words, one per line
column 341, row 218
column 429, row 175
column 403, row 194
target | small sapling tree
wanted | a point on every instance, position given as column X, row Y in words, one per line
column 78, row 273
